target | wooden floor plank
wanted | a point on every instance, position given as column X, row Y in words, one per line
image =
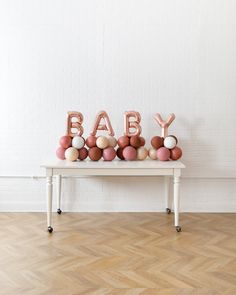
column 117, row 253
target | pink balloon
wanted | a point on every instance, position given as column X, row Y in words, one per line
column 109, row 154
column 129, row 153
column 164, row 124
column 102, row 115
column 60, row 152
column 91, row 141
column 65, row 141
column 135, row 124
column 75, row 125
column 163, row 154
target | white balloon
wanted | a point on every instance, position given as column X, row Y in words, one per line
column 78, row 142
column 170, row 142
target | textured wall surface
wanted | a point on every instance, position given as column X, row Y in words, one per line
column 150, row 56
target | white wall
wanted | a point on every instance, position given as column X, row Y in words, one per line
column 151, row 56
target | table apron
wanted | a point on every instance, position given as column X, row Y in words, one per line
column 111, row 172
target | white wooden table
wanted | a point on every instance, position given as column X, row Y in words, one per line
column 115, row 168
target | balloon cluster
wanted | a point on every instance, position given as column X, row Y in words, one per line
column 164, row 149
column 131, row 148
column 101, row 146
column 72, row 148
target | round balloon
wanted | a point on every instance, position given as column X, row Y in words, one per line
column 65, row 141
column 135, row 141
column 60, row 152
column 157, row 142
column 170, row 142
column 112, row 141
column 129, row 153
column 78, row 142
column 102, row 142
column 176, row 153
column 91, row 141
column 163, row 154
column 83, row 153
column 71, row 154
column 123, row 141
column 152, row 154
column 142, row 153
column 109, row 154
column 119, row 153
column 95, row 153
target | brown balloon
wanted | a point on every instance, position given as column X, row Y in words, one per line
column 123, row 141
column 157, row 142
column 95, row 153
column 176, row 153
column 119, row 153
column 135, row 141
column 83, row 153
column 142, row 141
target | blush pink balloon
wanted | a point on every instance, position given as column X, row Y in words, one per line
column 60, row 152
column 163, row 154
column 129, row 153
column 109, row 154
column 91, row 141
column 65, row 141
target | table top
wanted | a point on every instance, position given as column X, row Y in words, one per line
column 115, row 164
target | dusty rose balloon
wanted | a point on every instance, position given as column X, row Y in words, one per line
column 71, row 154
column 152, row 153
column 91, row 141
column 135, row 141
column 142, row 153
column 60, row 152
column 176, row 153
column 65, row 141
column 83, row 153
column 163, row 154
column 123, row 141
column 130, row 153
column 119, row 153
column 109, row 154
column 95, row 153
column 142, row 139
column 157, row 142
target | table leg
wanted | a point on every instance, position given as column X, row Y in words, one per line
column 176, row 202
column 58, row 181
column 49, row 203
column 167, row 194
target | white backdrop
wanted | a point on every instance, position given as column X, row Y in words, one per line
column 150, row 56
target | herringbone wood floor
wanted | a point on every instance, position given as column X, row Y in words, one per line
column 117, row 253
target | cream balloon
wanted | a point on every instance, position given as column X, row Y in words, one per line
column 71, row 154
column 102, row 142
column 142, row 153
column 112, row 141
column 152, row 154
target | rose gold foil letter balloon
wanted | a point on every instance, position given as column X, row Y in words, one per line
column 164, row 124
column 132, row 123
column 106, row 126
column 72, row 124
